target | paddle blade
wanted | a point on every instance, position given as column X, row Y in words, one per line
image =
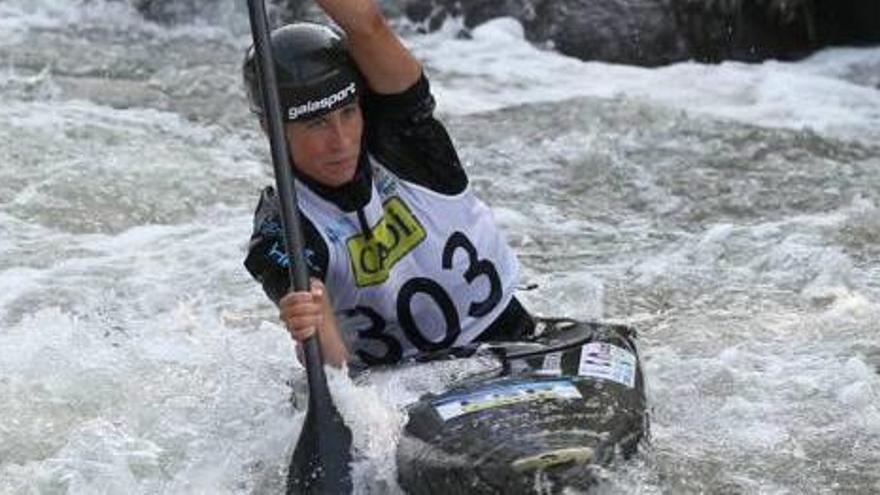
column 322, row 456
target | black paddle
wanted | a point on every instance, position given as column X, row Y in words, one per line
column 321, row 459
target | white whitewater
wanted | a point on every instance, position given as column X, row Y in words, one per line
column 730, row 212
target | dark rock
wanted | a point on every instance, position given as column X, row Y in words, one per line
column 746, row 30
column 187, row 11
column 638, row 32
column 280, row 11
column 655, row 32
column 848, row 22
column 165, row 12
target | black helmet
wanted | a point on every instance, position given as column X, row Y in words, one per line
column 314, row 70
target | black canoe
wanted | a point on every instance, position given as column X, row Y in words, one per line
column 561, row 407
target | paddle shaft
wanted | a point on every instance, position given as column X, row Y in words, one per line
column 322, row 450
column 293, row 239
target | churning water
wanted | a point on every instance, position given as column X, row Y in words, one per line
column 730, row 212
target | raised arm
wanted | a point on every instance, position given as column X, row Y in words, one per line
column 388, row 66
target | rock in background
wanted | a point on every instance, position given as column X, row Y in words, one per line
column 219, row 11
column 848, row 21
column 636, row 32
column 747, row 30
column 656, row 32
column 643, row 32
column 213, row 11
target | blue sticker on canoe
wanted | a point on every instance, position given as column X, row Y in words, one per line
column 500, row 395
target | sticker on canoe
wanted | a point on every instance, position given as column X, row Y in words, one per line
column 609, row 362
column 504, row 395
column 552, row 365
column 544, row 460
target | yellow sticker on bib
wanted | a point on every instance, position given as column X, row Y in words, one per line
column 396, row 234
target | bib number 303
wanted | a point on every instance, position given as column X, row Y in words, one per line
column 476, row 268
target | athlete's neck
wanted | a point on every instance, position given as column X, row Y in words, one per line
column 350, row 196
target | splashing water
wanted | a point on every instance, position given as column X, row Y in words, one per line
column 729, row 212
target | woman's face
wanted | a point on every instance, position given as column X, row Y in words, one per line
column 326, row 148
